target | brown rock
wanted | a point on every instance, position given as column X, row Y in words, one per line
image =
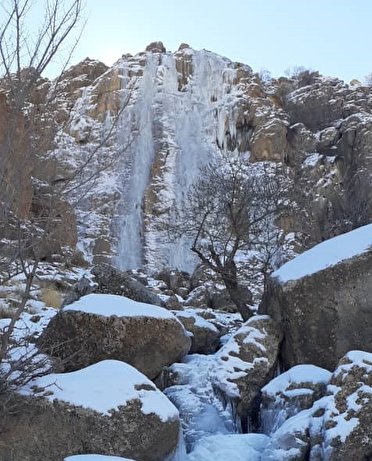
column 43, row 429
column 113, row 281
column 156, row 47
column 321, row 313
column 205, row 336
column 77, row 338
column 269, row 142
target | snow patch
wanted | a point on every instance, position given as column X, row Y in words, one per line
column 108, row 305
column 103, row 387
column 327, row 254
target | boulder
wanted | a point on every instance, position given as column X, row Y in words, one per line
column 318, row 105
column 205, row 337
column 338, row 426
column 291, row 392
column 246, row 363
column 156, row 47
column 269, row 141
column 113, row 281
column 108, row 408
column 99, row 327
column 323, row 300
column 81, row 288
column 348, row 424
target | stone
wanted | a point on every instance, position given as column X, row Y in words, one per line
column 113, row 281
column 205, row 337
column 108, row 408
column 173, row 303
column 316, row 106
column 338, row 426
column 100, row 327
column 291, row 392
column 246, row 363
column 269, row 142
column 81, row 288
column 353, row 404
column 156, row 47
column 320, row 313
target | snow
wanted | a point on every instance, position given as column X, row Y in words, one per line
column 104, row 387
column 327, row 254
column 312, row 159
column 95, row 458
column 199, row 321
column 201, row 411
column 108, row 305
column 282, row 399
column 298, row 374
column 229, row 366
column 361, row 359
column 232, row 447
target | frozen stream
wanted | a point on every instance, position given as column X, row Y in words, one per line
column 210, row 431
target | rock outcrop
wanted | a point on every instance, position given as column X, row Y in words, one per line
column 291, row 392
column 108, row 408
column 246, row 363
column 110, row 280
column 100, row 327
column 205, row 337
column 338, row 426
column 322, row 299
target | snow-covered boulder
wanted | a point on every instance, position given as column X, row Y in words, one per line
column 205, row 336
column 99, row 327
column 108, row 408
column 323, row 300
column 348, row 425
column 246, row 363
column 338, row 426
column 289, row 393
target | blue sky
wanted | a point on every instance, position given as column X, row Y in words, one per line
column 332, row 36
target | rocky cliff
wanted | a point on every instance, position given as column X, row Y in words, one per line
column 137, row 134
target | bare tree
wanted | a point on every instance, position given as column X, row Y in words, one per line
column 25, row 53
column 227, row 212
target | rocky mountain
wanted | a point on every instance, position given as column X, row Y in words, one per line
column 148, row 124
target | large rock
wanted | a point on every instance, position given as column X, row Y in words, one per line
column 323, row 300
column 99, row 327
column 338, row 426
column 289, row 393
column 349, row 423
column 246, row 363
column 113, row 281
column 205, row 337
column 108, row 408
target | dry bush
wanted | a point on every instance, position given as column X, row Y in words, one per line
column 51, row 297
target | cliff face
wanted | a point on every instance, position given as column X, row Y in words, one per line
column 148, row 123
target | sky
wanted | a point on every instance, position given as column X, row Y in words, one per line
column 331, row 36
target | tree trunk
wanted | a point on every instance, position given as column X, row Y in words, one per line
column 239, row 295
